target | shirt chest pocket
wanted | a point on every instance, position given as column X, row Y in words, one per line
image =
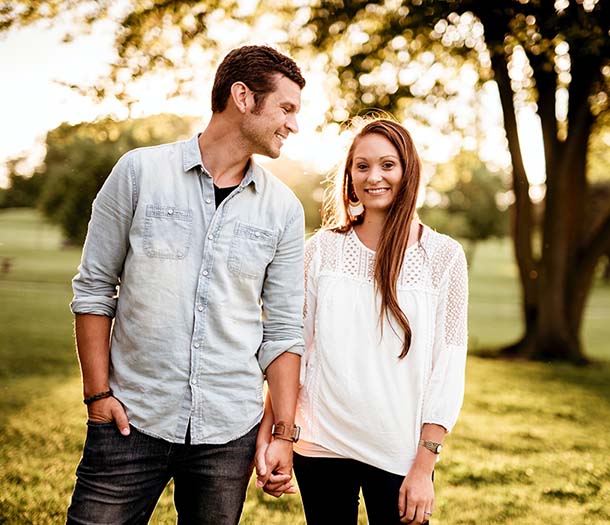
column 251, row 250
column 167, row 231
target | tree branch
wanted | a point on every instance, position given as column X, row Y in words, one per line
column 598, row 244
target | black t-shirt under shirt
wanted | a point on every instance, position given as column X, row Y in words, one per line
column 221, row 194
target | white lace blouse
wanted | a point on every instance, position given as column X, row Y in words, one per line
column 357, row 399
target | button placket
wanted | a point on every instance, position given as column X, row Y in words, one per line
column 203, row 286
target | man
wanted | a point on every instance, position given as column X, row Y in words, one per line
column 196, row 253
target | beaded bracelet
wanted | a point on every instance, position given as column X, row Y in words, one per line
column 97, row 397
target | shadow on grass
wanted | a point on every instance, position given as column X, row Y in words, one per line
column 592, row 378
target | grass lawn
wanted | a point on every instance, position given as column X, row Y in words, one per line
column 531, row 446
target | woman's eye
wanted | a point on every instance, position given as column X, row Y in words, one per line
column 361, row 166
column 388, row 165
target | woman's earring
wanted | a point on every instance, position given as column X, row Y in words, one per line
column 355, row 208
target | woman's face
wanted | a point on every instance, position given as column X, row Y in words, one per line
column 376, row 172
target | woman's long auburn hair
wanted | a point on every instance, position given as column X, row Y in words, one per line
column 395, row 234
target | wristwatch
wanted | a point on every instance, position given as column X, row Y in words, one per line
column 281, row 430
column 432, row 446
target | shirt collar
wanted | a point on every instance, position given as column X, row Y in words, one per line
column 191, row 158
column 253, row 175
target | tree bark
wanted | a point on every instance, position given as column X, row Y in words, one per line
column 553, row 338
column 522, row 223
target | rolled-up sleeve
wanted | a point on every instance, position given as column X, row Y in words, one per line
column 282, row 293
column 95, row 286
column 445, row 389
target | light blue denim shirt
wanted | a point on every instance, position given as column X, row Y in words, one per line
column 203, row 299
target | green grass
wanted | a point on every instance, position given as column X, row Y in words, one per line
column 531, row 446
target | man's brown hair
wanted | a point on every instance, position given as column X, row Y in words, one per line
column 256, row 67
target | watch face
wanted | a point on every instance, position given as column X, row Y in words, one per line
column 438, row 449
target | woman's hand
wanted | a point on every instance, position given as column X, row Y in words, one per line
column 416, row 497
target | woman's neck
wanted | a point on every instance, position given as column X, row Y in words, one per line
column 369, row 231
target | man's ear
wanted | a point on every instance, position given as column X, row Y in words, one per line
column 242, row 96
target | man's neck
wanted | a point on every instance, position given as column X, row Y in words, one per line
column 223, row 153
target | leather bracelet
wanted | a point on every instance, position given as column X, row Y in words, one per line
column 291, row 440
column 281, row 430
column 97, row 397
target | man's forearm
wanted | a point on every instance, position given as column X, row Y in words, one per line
column 93, row 346
column 283, row 381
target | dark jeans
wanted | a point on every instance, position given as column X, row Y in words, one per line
column 330, row 489
column 120, row 479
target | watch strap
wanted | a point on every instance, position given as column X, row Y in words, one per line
column 282, row 430
column 432, row 446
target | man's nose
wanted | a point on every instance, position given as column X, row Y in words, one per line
column 291, row 123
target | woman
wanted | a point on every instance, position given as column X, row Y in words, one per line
column 385, row 334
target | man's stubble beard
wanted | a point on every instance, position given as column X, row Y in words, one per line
column 260, row 144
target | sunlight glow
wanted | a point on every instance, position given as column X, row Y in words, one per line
column 32, row 103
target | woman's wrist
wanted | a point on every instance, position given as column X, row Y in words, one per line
column 424, row 463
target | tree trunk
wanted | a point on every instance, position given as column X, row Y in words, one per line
column 522, row 224
column 554, row 287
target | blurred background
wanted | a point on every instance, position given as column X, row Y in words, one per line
column 508, row 104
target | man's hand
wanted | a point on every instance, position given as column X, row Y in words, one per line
column 273, row 462
column 107, row 410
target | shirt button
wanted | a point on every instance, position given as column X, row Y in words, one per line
column 180, row 254
column 257, row 234
column 196, row 345
column 170, row 212
column 210, row 237
column 205, row 273
column 208, row 201
column 200, row 308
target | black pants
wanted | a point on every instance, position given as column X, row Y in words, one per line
column 330, row 489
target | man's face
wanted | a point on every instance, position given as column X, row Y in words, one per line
column 265, row 128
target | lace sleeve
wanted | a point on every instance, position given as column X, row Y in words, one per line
column 309, row 304
column 456, row 309
column 445, row 389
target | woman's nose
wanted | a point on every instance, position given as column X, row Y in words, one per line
column 374, row 175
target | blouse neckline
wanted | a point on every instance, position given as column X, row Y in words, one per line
column 412, row 246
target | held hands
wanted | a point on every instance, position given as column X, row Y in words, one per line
column 416, row 497
column 107, row 410
column 273, row 461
